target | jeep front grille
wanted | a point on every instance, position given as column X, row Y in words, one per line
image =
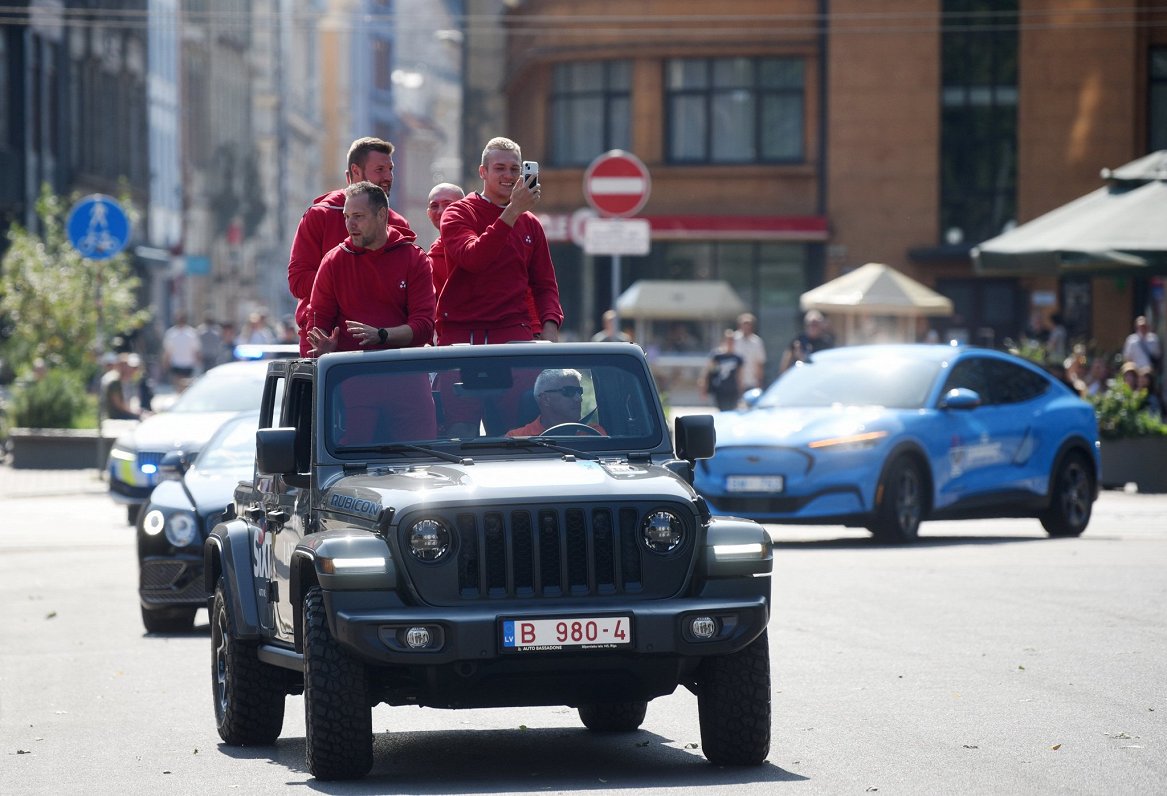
column 548, row 552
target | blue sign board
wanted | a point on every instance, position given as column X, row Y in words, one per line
column 98, row 227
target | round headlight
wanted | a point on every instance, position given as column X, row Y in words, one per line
column 153, row 522
column 429, row 540
column 181, row 529
column 663, row 531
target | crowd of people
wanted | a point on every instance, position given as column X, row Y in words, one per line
column 1138, row 367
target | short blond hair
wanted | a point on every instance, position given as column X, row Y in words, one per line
column 500, row 144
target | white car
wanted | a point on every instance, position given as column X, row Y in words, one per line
column 217, row 395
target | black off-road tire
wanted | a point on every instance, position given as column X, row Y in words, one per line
column 248, row 693
column 337, row 713
column 174, row 619
column 902, row 503
column 1071, row 497
column 613, row 716
column 733, row 703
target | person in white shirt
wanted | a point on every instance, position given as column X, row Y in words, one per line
column 182, row 350
column 1143, row 346
column 749, row 346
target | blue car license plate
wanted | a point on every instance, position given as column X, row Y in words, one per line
column 755, row 483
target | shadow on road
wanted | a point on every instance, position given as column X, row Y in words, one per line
column 521, row 761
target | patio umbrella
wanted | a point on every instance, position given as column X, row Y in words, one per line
column 874, row 290
column 1120, row 227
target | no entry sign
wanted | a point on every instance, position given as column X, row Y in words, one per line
column 616, row 184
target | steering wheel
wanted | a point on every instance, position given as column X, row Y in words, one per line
column 576, row 426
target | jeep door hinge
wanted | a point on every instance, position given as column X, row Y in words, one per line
column 273, row 592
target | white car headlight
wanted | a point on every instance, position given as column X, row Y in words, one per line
column 153, row 522
column 181, row 529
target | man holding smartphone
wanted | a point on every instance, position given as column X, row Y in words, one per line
column 496, row 252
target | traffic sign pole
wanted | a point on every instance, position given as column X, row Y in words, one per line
column 98, row 229
column 617, row 184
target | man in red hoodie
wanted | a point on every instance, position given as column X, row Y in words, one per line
column 496, row 252
column 322, row 226
column 441, row 196
column 376, row 290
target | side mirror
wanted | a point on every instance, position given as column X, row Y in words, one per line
column 174, row 465
column 275, row 451
column 961, row 398
column 695, row 436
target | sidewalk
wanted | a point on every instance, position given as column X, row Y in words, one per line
column 20, row 483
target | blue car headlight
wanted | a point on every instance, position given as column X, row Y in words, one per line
column 849, row 442
column 180, row 527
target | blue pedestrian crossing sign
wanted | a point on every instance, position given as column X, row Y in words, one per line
column 98, row 227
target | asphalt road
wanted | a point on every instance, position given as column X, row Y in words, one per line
column 985, row 659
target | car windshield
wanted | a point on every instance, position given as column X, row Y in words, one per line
column 232, row 449
column 231, row 389
column 581, row 403
column 893, row 381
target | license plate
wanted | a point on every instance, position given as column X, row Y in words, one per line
column 577, row 632
column 755, row 483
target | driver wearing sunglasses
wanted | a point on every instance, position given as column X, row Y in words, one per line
column 560, row 400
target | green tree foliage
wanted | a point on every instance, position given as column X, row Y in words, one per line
column 48, row 293
column 52, row 401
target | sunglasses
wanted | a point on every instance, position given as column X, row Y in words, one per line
column 567, row 392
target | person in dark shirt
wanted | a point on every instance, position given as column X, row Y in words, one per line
column 814, row 337
column 724, row 374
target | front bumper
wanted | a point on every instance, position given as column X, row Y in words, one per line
column 473, row 633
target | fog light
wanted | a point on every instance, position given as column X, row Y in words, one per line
column 418, row 637
column 702, row 626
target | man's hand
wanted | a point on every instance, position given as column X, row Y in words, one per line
column 522, row 200
column 321, row 342
column 550, row 331
column 364, row 334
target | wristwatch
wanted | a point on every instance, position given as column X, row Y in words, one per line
column 383, row 336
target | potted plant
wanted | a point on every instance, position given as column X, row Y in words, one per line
column 1134, row 441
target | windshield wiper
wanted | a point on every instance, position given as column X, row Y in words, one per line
column 525, row 442
column 405, row 447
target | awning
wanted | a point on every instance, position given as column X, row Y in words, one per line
column 664, row 299
column 1121, row 227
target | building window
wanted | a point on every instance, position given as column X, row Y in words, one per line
column 590, row 113
column 978, row 138
column 735, row 110
column 1157, row 113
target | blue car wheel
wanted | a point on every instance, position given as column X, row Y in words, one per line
column 900, row 503
column 1071, row 499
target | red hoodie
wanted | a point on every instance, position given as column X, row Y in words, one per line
column 320, row 230
column 492, row 267
column 383, row 287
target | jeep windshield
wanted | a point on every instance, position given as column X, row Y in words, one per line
column 560, row 401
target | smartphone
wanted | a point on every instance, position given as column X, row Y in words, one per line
column 530, row 173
